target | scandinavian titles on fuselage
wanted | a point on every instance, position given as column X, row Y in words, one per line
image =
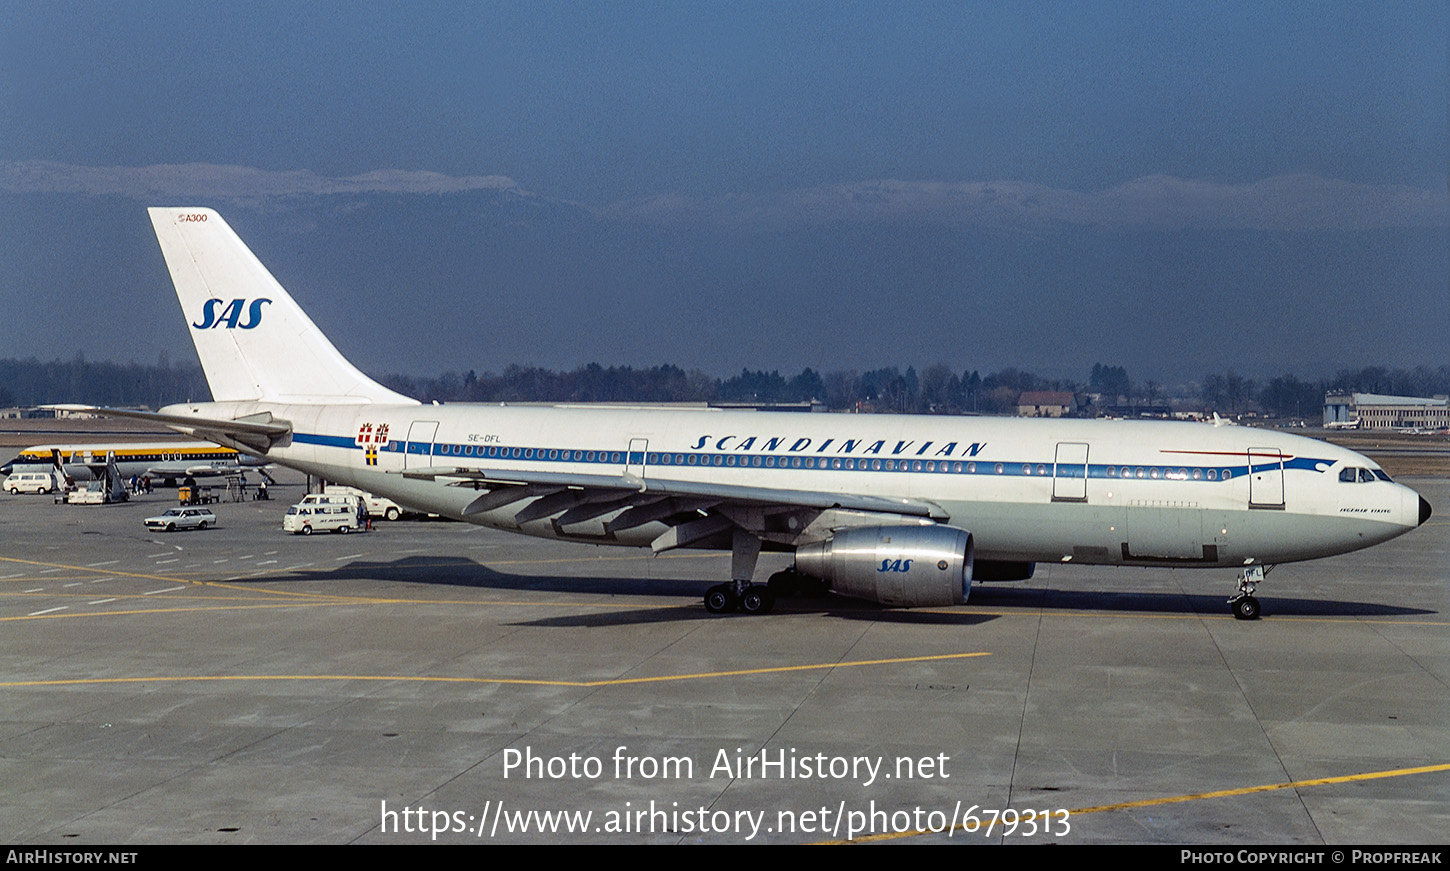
column 909, row 447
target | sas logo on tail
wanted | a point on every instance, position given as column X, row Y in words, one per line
column 231, row 316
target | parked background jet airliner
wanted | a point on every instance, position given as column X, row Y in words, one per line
column 168, row 461
column 903, row 510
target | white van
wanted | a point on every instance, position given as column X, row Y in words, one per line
column 31, row 482
column 304, row 519
column 348, row 499
column 378, row 506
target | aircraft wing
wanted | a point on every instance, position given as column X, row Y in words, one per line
column 694, row 510
column 174, row 470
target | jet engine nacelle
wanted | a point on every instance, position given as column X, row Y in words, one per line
column 894, row 565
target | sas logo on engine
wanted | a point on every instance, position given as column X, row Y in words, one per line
column 214, row 315
column 895, row 565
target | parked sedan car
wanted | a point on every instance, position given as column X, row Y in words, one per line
column 182, row 518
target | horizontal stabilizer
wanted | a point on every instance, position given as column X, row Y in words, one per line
column 254, row 434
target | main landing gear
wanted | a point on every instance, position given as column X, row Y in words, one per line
column 740, row 593
column 747, row 597
column 760, row 598
column 751, row 598
column 1242, row 603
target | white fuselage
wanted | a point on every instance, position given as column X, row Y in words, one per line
column 1096, row 492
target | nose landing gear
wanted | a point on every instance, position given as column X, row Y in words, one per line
column 1245, row 607
column 1242, row 603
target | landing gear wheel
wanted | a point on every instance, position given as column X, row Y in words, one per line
column 720, row 599
column 757, row 600
column 1242, row 603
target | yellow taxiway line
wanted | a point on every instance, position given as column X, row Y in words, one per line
column 621, row 681
column 1178, row 799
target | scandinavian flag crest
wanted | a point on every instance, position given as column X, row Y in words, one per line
column 370, row 438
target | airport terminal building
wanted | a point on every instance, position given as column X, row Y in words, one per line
column 1378, row 411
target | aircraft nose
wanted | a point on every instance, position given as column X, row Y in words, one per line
column 1424, row 510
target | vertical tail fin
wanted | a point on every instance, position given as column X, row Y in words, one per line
column 253, row 340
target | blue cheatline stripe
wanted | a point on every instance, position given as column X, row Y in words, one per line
column 325, row 440
column 797, row 462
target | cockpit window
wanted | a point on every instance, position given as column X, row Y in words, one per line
column 1380, row 473
column 1353, row 474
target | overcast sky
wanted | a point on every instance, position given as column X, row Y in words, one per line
column 1177, row 188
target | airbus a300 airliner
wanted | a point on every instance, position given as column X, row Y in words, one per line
column 903, row 510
